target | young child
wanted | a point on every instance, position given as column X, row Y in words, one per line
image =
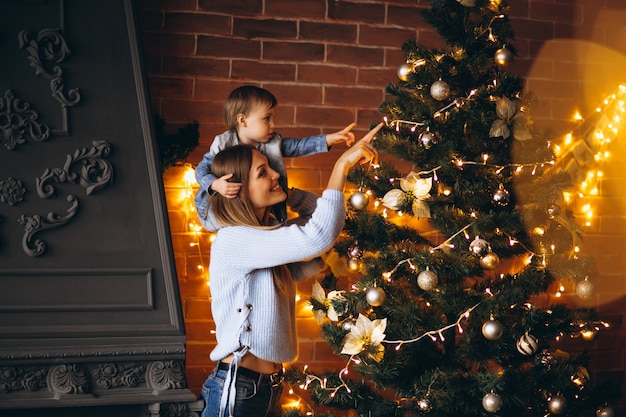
column 249, row 116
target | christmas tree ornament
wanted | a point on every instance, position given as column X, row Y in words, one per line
column 492, row 329
column 347, row 324
column 375, row 296
column 546, row 359
column 423, row 404
column 354, row 265
column 553, row 210
column 354, row 251
column 581, row 377
column 359, row 200
column 503, row 57
column 404, row 71
column 427, row 280
column 527, row 344
column 490, row 261
column 467, row 3
column 492, row 402
column 588, row 334
column 557, row 404
column 501, row 197
column 440, row 90
column 479, row 247
column 585, row 289
column 605, row 411
column 427, row 139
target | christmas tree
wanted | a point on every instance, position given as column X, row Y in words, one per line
column 441, row 313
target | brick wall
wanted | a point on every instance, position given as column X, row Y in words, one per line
column 328, row 62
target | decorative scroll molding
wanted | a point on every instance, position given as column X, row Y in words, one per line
column 18, row 122
column 68, row 379
column 45, row 50
column 35, row 224
column 164, row 375
column 110, row 375
column 87, row 167
column 187, row 409
column 11, row 191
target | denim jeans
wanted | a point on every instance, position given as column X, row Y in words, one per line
column 253, row 399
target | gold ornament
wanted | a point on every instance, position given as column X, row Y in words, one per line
column 427, row 280
column 492, row 402
column 467, row 3
column 359, row 200
column 492, row 329
column 490, row 261
column 354, row 265
column 585, row 289
column 503, row 57
column 557, row 404
column 404, row 71
column 440, row 90
column 375, row 296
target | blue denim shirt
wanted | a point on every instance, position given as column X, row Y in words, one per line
column 275, row 150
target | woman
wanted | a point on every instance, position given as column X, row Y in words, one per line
column 253, row 268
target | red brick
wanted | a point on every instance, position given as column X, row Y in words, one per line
column 186, row 110
column 350, row 55
column 196, row 66
column 301, row 9
column 377, row 77
column 249, row 70
column 215, row 90
column 293, row 51
column 228, row 47
column 323, row 116
column 408, row 17
column 534, row 29
column 295, row 93
column 236, row 8
column 150, row 20
column 171, row 87
column 168, row 44
column 197, row 23
column 343, row 33
column 359, row 12
column 328, row 74
column 197, row 309
column 543, row 10
column 363, row 96
column 384, row 36
column 167, row 4
column 265, row 28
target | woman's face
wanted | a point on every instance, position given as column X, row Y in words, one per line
column 263, row 187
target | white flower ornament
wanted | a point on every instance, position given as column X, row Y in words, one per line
column 368, row 335
column 319, row 295
column 509, row 115
column 412, row 186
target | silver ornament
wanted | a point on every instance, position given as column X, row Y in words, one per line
column 527, row 344
column 427, row 139
column 347, row 324
column 354, row 252
column 503, row 57
column 546, row 358
column 375, row 296
column 490, row 261
column 404, row 71
column 605, row 411
column 440, row 90
column 492, row 329
column 585, row 289
column 479, row 247
column 492, row 402
column 427, row 280
column 557, row 404
column 359, row 200
column 501, row 197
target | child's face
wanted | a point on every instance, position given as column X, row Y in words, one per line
column 257, row 126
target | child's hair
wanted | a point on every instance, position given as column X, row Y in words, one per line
column 242, row 99
column 238, row 211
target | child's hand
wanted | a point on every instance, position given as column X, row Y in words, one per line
column 343, row 136
column 225, row 188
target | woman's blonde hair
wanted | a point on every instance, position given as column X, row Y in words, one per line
column 239, row 211
column 241, row 101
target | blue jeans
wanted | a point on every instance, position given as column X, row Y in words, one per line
column 256, row 397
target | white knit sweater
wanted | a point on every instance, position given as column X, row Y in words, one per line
column 247, row 309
